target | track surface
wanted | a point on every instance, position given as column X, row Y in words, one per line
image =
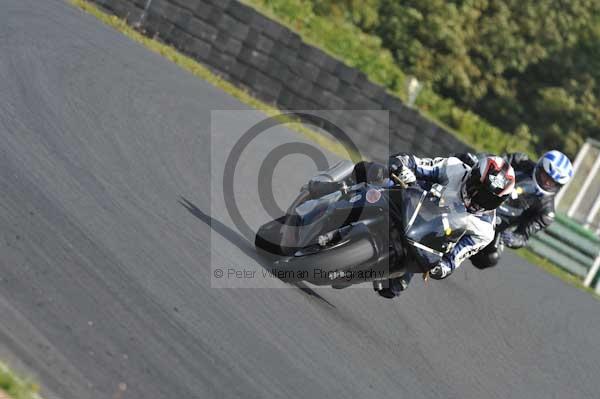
column 105, row 276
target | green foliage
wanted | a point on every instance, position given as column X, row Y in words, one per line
column 516, row 63
column 16, row 387
column 341, row 38
column 341, row 28
column 563, row 91
column 362, row 13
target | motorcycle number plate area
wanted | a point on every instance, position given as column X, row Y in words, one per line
column 373, row 195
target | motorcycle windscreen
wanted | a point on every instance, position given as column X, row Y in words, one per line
column 410, row 201
column 436, row 227
column 338, row 172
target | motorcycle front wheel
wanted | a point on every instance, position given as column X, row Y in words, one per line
column 323, row 267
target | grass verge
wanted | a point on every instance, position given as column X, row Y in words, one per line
column 16, row 387
column 347, row 42
column 202, row 72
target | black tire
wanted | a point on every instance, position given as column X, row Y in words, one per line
column 488, row 256
column 482, row 261
column 315, row 268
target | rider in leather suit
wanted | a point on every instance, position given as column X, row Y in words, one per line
column 481, row 187
column 549, row 173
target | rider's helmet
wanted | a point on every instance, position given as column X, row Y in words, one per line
column 490, row 181
column 552, row 171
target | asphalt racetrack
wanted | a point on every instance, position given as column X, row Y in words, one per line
column 112, row 225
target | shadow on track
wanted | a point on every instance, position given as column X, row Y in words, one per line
column 240, row 242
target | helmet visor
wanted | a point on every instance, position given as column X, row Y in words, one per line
column 545, row 182
column 477, row 199
column 481, row 200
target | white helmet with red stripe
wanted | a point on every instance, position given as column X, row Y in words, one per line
column 488, row 184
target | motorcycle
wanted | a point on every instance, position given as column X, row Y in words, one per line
column 362, row 231
column 508, row 217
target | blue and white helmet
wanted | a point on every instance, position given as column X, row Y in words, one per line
column 552, row 171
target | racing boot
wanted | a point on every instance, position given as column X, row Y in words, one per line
column 394, row 287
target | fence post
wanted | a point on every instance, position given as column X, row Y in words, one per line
column 593, row 212
column 584, row 187
column 578, row 159
column 592, row 273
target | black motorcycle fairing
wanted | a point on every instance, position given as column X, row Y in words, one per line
column 339, row 172
column 402, row 229
column 330, row 212
column 432, row 225
column 428, row 222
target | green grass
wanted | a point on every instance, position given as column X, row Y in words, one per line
column 348, row 43
column 202, row 72
column 338, row 38
column 16, row 387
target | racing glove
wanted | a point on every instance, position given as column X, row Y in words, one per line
column 441, row 271
column 405, row 175
column 513, row 240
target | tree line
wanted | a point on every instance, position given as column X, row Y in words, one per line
column 532, row 68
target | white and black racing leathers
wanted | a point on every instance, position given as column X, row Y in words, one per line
column 451, row 173
column 538, row 208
